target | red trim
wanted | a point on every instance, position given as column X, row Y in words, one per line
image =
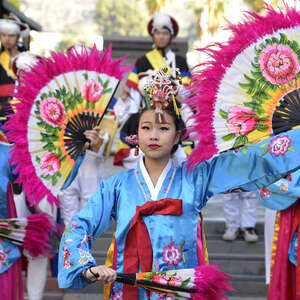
column 120, row 155
column 138, row 247
column 131, row 84
column 6, row 90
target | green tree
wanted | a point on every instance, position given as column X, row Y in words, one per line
column 68, row 40
column 123, row 18
column 258, row 5
column 215, row 9
column 154, row 6
column 15, row 3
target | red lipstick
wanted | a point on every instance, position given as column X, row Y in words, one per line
column 153, row 146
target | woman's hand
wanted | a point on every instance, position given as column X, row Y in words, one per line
column 101, row 273
column 94, row 139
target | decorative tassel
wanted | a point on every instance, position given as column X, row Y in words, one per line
column 159, row 117
column 175, row 106
column 147, row 99
column 136, row 150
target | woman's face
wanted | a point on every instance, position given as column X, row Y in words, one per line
column 156, row 140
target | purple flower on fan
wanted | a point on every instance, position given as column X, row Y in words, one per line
column 172, row 254
column 52, row 111
column 92, row 91
column 280, row 145
column 118, row 294
column 50, row 163
column 278, row 63
column 241, row 120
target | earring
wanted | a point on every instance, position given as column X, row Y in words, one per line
column 136, row 150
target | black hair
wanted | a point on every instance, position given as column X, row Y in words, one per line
column 179, row 124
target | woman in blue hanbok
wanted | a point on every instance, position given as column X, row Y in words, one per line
column 10, row 256
column 156, row 205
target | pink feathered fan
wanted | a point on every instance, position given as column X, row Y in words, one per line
column 250, row 87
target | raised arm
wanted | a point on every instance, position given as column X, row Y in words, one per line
column 251, row 167
column 281, row 194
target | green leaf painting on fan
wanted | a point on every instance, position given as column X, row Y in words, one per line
column 271, row 87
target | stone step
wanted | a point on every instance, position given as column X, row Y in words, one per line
column 95, row 288
column 244, row 287
column 217, row 226
column 71, row 296
column 217, row 245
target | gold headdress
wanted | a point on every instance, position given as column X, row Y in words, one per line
column 160, row 92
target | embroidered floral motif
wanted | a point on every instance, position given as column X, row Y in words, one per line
column 264, row 192
column 67, row 254
column 118, row 294
column 85, row 255
column 172, row 254
column 283, row 185
column 3, row 256
column 74, row 224
column 280, row 145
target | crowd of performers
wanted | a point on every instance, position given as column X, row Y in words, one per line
column 158, row 200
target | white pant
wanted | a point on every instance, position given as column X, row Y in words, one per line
column 240, row 209
column 270, row 218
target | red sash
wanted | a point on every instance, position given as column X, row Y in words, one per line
column 296, row 224
column 138, row 248
column 6, row 90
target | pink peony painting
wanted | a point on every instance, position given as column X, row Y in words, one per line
column 92, row 91
column 241, row 120
column 52, row 111
column 50, row 163
column 278, row 63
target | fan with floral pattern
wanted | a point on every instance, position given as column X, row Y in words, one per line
column 250, row 88
column 60, row 98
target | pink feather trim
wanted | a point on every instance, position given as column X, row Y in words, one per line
column 31, row 84
column 38, row 230
column 211, row 283
column 206, row 80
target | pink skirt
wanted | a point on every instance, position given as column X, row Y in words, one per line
column 11, row 283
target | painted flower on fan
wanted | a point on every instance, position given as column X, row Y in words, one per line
column 172, row 254
column 278, row 63
column 50, row 163
column 280, row 145
column 92, row 91
column 52, row 111
column 241, row 120
column 160, row 279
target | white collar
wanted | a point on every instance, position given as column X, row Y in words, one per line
column 155, row 190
